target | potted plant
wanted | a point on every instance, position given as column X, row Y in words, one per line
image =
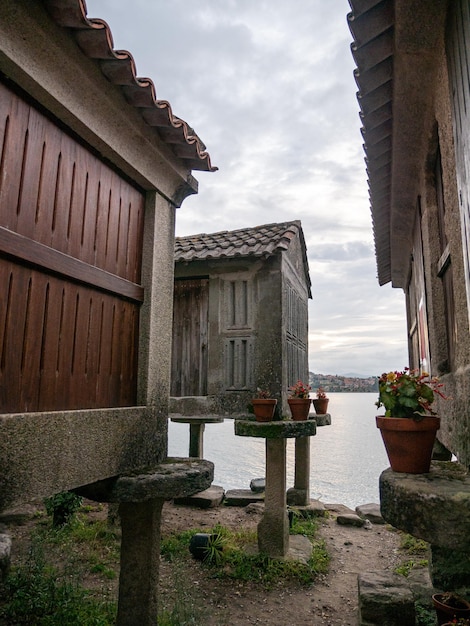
column 263, row 406
column 320, row 403
column 458, row 621
column 299, row 400
column 409, row 425
column 450, row 608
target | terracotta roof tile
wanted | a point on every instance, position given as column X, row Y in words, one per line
column 94, row 38
column 258, row 241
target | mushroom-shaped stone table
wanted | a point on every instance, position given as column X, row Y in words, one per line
column 273, row 529
column 141, row 496
column 434, row 507
column 197, row 424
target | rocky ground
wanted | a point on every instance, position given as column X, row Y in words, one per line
column 332, row 600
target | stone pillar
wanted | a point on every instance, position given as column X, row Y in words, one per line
column 140, row 559
column 273, row 529
column 141, row 498
column 299, row 495
column 196, row 440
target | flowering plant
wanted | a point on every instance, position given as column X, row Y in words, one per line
column 408, row 393
column 262, row 394
column 460, row 621
column 321, row 394
column 299, row 390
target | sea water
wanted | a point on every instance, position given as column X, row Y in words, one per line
column 346, row 458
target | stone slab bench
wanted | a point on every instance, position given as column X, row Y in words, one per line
column 141, row 495
column 434, row 507
column 273, row 529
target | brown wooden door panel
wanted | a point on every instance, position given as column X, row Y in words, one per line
column 68, row 325
column 63, row 345
column 190, row 350
column 56, row 192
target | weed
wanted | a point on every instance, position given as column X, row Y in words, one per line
column 62, row 507
column 36, row 594
column 405, row 568
column 425, row 616
column 237, row 557
column 412, row 547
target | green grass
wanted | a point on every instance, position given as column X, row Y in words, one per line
column 38, row 594
column 239, row 559
column 412, row 549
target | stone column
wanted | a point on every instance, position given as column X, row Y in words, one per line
column 141, row 498
column 196, row 440
column 140, row 560
column 273, row 529
column 299, row 495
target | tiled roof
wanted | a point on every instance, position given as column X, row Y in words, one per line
column 372, row 25
column 258, row 241
column 95, row 40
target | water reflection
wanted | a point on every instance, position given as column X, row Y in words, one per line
column 346, row 457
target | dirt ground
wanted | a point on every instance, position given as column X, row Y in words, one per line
column 330, row 601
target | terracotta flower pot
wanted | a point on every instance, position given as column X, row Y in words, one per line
column 299, row 408
column 447, row 609
column 408, row 442
column 263, row 409
column 321, row 405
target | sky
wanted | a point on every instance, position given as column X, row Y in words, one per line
column 268, row 86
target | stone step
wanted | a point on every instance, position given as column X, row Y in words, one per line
column 385, row 598
column 207, row 499
column 242, row 497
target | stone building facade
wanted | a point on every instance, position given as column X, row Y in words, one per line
column 413, row 78
column 240, row 315
column 93, row 167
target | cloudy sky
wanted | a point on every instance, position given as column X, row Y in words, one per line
column 268, row 86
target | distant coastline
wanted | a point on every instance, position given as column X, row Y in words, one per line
column 347, row 384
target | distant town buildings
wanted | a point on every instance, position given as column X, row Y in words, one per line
column 334, row 384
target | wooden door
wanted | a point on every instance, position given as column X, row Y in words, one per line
column 190, row 328
column 70, row 262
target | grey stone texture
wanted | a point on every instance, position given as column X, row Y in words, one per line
column 207, row 499
column 258, row 485
column 314, row 508
column 275, row 430
column 370, row 512
column 322, row 419
column 175, row 477
column 450, row 569
column 242, row 497
column 385, row 599
column 434, row 506
column 5, row 553
column 349, row 519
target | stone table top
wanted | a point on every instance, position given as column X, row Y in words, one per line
column 174, row 478
column 196, row 419
column 433, row 506
column 284, row 429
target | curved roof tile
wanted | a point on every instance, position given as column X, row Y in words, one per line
column 95, row 40
column 258, row 241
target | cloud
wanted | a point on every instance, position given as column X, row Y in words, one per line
column 268, row 86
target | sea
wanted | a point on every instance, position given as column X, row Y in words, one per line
column 346, row 459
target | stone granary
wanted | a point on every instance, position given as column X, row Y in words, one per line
column 413, row 93
column 413, row 78
column 93, row 166
column 240, row 316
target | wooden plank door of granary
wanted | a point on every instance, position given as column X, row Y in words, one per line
column 70, row 265
column 190, row 327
